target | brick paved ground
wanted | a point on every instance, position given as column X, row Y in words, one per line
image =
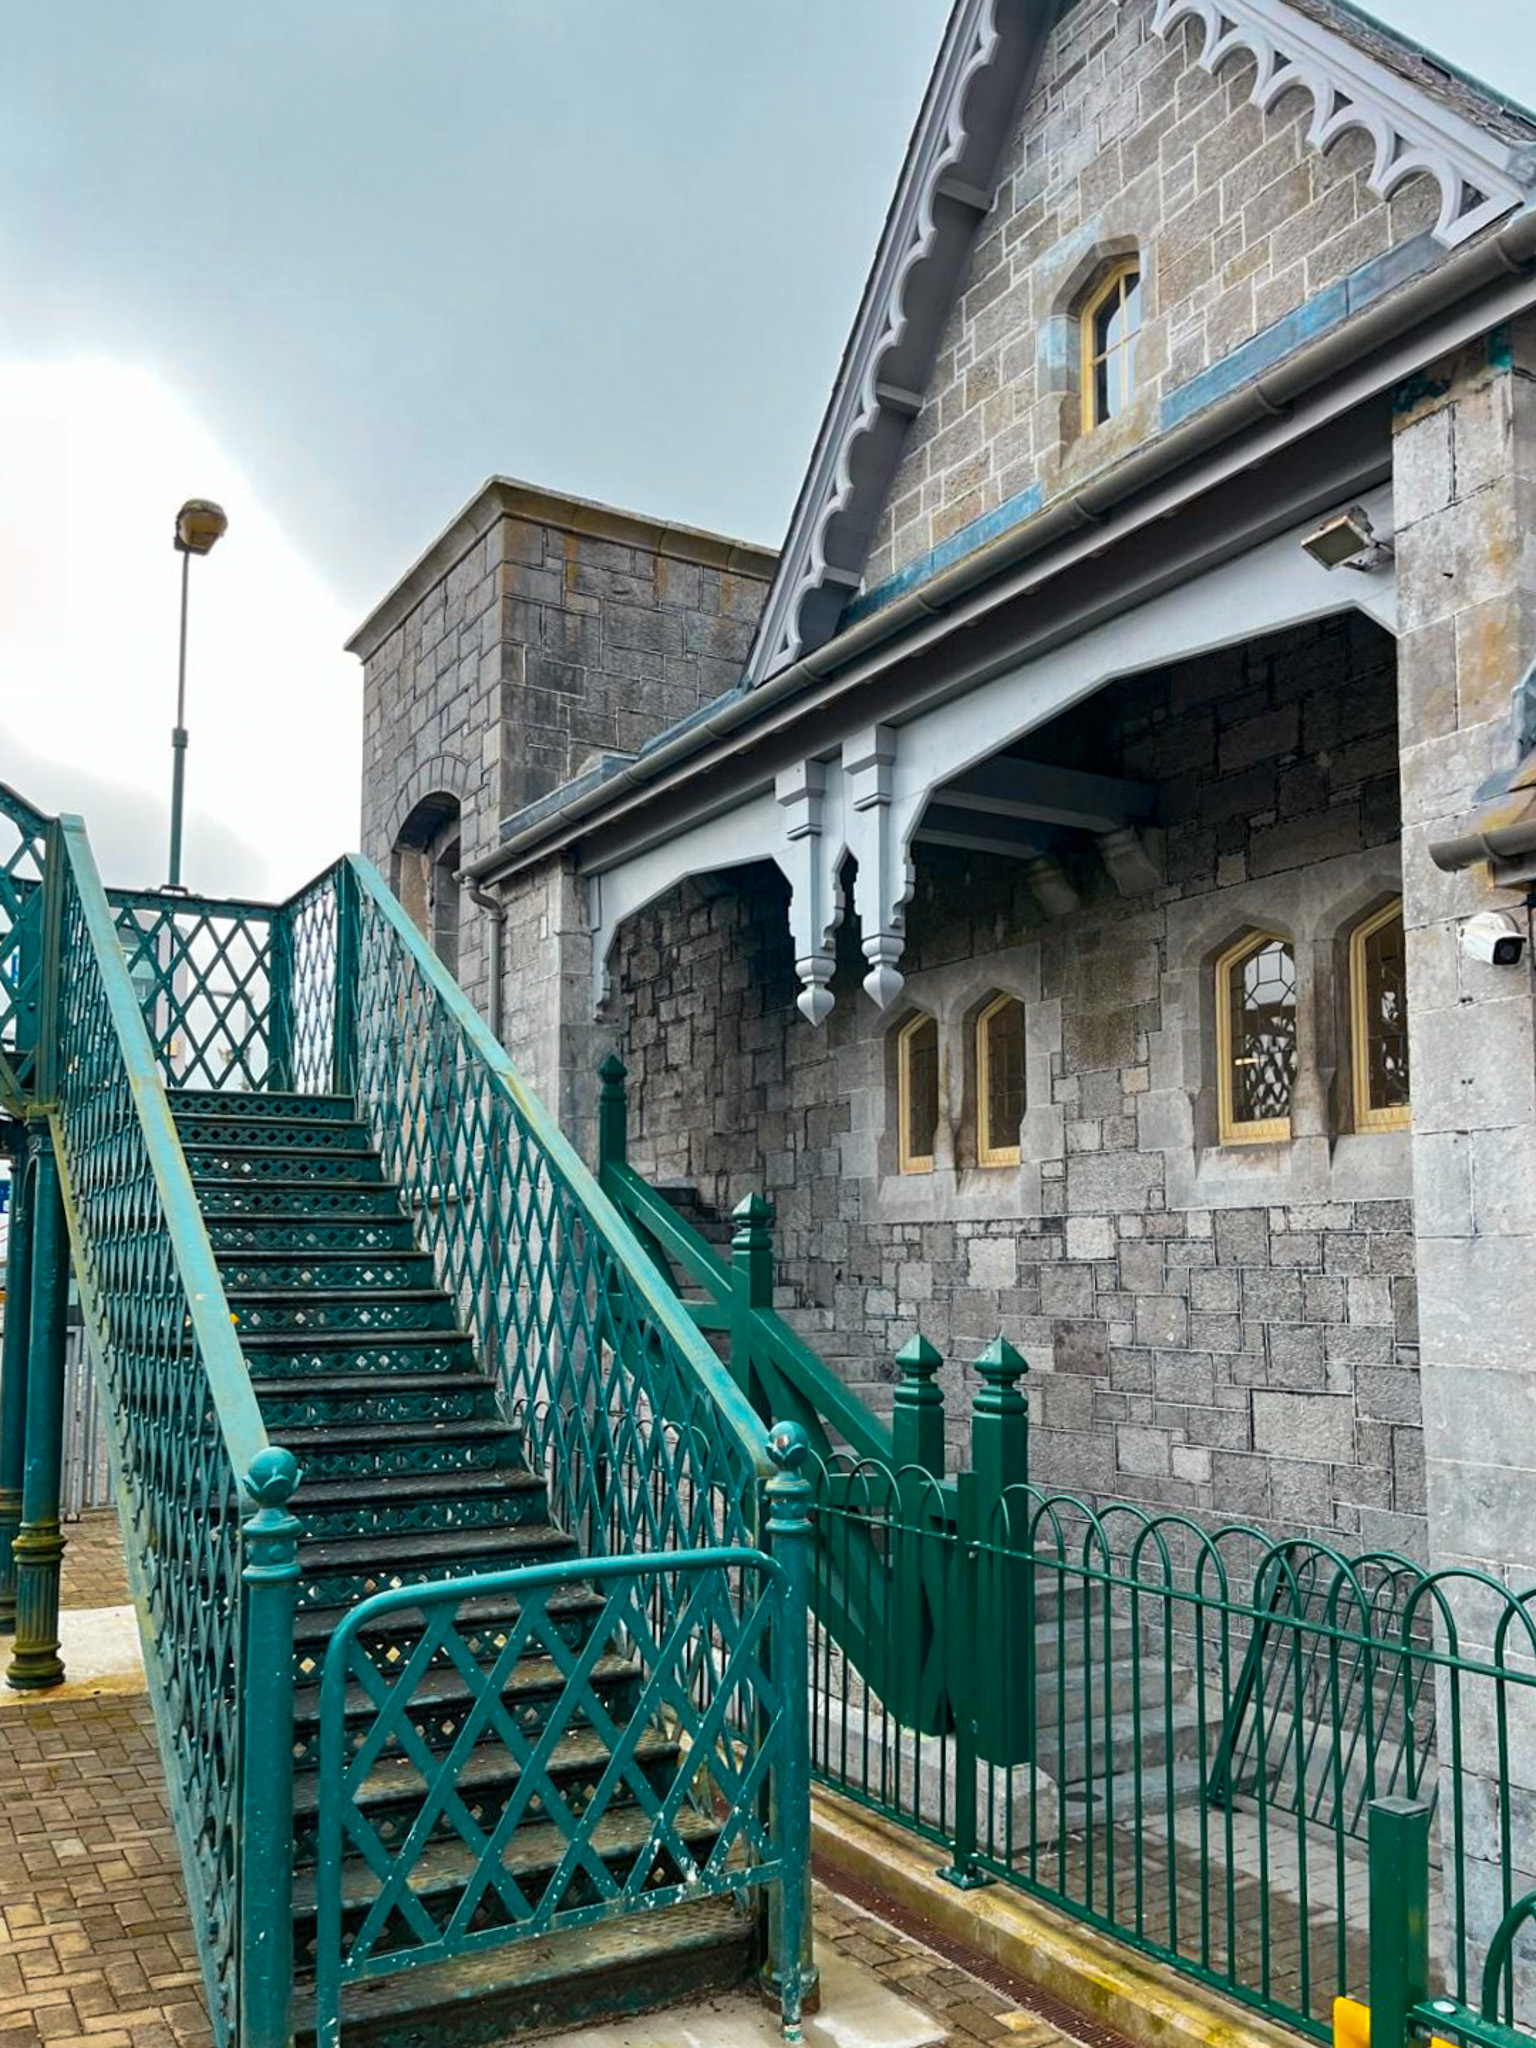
column 93, row 1574
column 94, row 1941
column 95, row 1950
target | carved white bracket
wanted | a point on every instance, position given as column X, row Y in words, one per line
column 885, row 878
column 810, row 858
column 1481, row 177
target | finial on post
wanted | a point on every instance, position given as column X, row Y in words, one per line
column 1000, row 1421
column 917, row 1408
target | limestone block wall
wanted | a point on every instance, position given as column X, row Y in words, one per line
column 1126, row 146
column 538, row 634
column 1231, row 1332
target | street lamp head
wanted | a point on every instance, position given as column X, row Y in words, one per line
column 199, row 524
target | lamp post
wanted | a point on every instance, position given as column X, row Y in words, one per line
column 199, row 524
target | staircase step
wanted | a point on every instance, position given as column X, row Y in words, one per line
column 483, row 1623
column 532, row 1856
column 428, row 1502
column 332, row 1272
column 348, row 1201
column 260, row 1106
column 1080, row 1753
column 363, row 1451
column 617, row 1968
column 311, row 1311
column 393, row 1791
column 206, row 1130
column 296, row 1354
column 1076, row 1693
column 283, row 1163
column 347, row 1235
column 322, row 1400
column 347, row 1570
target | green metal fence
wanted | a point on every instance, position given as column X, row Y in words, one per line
column 1174, row 1732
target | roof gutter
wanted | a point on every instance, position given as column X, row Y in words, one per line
column 1511, row 251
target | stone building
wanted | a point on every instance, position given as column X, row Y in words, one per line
column 1049, row 879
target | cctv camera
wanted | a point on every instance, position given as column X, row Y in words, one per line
column 1494, row 936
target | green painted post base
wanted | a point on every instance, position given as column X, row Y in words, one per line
column 35, row 1663
column 969, row 1879
column 10, row 1524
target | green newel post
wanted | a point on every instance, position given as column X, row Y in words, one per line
column 999, row 1423
column 790, row 1973
column 270, row 1583
column 13, row 1371
column 612, row 1114
column 1005, row 1585
column 38, row 1547
column 751, row 1282
column 917, row 1409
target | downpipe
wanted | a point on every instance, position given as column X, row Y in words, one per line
column 496, row 911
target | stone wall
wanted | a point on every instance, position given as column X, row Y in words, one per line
column 540, row 633
column 1127, row 146
column 1226, row 1330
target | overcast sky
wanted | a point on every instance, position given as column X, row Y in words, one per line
column 333, row 262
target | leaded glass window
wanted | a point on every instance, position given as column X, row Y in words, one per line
column 1256, row 1039
column 918, row 1093
column 1379, row 1017
column 999, row 1081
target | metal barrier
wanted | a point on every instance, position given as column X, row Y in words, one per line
column 1171, row 1732
column 664, row 1765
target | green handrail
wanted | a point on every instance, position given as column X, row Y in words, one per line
column 802, row 1385
column 211, row 1549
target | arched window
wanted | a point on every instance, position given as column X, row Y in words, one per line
column 1111, row 328
column 1378, row 1006
column 999, row 1081
column 1256, row 1039
column 917, row 1093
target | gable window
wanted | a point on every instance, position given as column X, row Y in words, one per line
column 999, row 1081
column 1111, row 327
column 1378, row 1001
column 1256, row 1039
column 917, row 1091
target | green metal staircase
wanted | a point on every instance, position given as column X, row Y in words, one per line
column 411, row 1473
column 472, row 1594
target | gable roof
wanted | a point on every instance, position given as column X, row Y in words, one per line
column 1422, row 117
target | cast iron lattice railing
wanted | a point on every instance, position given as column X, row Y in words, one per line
column 23, row 842
column 1130, row 1634
column 698, row 1791
column 209, row 1544
column 646, row 1445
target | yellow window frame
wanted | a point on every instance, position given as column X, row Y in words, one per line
column 1112, row 283
column 1274, row 1130
column 907, row 1160
column 988, row 1153
column 1367, row 1118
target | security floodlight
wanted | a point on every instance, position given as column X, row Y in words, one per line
column 1348, row 541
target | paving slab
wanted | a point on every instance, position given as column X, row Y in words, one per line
column 100, row 1648
column 857, row 2011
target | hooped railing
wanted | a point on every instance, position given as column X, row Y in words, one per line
column 210, row 1545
